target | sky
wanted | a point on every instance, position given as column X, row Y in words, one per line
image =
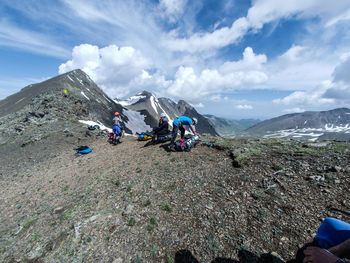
column 230, row 58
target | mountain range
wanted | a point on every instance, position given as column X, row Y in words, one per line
column 310, row 125
column 75, row 98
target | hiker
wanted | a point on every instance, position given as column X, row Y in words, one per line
column 330, row 245
column 162, row 129
column 117, row 128
column 117, row 120
column 178, row 124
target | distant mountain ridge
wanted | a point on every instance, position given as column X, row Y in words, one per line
column 332, row 124
column 151, row 107
column 230, row 128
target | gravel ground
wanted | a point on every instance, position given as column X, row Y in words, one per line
column 130, row 203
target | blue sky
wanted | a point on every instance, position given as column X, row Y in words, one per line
column 230, row 58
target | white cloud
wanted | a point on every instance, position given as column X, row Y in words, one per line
column 199, row 105
column 307, row 98
column 242, row 74
column 244, row 107
column 202, row 41
column 294, row 110
column 118, row 70
column 122, row 71
column 334, row 93
column 261, row 13
column 172, row 9
column 13, row 36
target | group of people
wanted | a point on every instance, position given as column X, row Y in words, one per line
column 179, row 123
column 332, row 242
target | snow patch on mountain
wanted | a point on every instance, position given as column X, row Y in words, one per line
column 130, row 100
column 70, row 78
column 82, row 92
column 153, row 104
column 314, row 133
column 136, row 122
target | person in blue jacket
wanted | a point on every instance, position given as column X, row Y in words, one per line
column 178, row 124
column 330, row 245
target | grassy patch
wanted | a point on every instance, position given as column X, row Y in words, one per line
column 131, row 221
column 166, row 207
column 26, row 225
column 147, row 202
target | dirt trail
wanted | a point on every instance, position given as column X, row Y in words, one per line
column 130, row 203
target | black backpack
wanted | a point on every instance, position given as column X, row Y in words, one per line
column 186, row 144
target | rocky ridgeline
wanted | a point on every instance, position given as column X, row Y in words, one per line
column 39, row 117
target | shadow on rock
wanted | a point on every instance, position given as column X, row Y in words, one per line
column 185, row 256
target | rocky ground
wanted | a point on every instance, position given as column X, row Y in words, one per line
column 130, row 203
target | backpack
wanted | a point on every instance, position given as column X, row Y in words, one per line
column 83, row 149
column 117, row 129
column 144, row 137
column 187, row 143
column 164, row 138
column 93, row 127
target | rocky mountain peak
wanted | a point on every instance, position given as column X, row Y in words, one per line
column 145, row 93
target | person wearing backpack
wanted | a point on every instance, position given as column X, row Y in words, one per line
column 162, row 129
column 117, row 128
column 178, row 124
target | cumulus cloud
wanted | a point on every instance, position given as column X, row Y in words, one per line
column 340, row 87
column 118, row 70
column 307, row 98
column 335, row 92
column 295, row 69
column 232, row 75
column 244, row 107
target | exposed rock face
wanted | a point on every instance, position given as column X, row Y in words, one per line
column 151, row 107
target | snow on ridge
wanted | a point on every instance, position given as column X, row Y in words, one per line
column 163, row 111
column 136, row 121
column 153, row 104
column 106, row 97
column 131, row 100
column 309, row 132
column 82, row 92
column 81, row 82
column 102, row 127
column 70, row 78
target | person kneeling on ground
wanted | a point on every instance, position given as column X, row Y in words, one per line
column 162, row 129
column 178, row 124
column 330, row 245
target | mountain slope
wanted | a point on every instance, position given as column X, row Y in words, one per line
column 228, row 128
column 151, row 107
column 310, row 123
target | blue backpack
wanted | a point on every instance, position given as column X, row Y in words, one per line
column 83, row 149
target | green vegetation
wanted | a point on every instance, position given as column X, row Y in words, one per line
column 26, row 225
column 166, row 207
column 147, row 203
column 131, row 221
